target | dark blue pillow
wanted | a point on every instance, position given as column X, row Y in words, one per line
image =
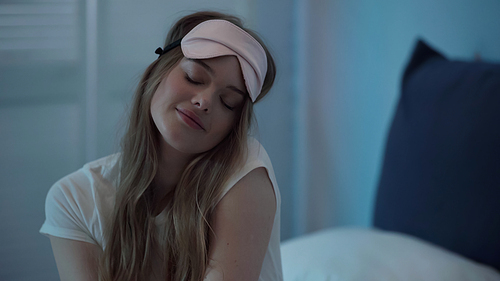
column 440, row 179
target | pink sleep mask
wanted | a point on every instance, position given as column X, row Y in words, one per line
column 215, row 38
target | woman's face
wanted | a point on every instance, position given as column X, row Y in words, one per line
column 198, row 102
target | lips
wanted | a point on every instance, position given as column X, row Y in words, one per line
column 191, row 119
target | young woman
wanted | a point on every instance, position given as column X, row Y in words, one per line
column 190, row 196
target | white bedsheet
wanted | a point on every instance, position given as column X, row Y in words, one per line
column 356, row 254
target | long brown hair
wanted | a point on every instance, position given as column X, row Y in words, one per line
column 132, row 242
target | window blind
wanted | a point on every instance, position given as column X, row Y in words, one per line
column 39, row 30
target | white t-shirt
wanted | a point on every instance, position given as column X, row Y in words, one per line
column 80, row 205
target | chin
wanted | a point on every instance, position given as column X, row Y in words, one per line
column 192, row 149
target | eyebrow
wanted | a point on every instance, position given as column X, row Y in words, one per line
column 209, row 69
column 238, row 91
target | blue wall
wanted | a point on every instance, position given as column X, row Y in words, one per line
column 382, row 35
column 349, row 62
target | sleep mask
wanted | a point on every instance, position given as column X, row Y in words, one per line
column 215, row 38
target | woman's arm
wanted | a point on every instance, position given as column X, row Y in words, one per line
column 76, row 260
column 243, row 221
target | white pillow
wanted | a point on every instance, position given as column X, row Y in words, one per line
column 354, row 254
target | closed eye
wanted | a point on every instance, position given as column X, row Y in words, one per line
column 226, row 105
column 192, row 81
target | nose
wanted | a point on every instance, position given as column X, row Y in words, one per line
column 203, row 100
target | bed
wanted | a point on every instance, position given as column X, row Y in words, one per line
column 437, row 210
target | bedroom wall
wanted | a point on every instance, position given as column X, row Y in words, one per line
column 350, row 57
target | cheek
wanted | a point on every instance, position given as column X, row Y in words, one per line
column 154, row 106
column 225, row 127
column 158, row 110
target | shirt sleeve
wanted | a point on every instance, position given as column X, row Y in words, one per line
column 256, row 157
column 68, row 209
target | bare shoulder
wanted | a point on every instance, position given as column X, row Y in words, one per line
column 253, row 191
column 242, row 225
column 76, row 260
